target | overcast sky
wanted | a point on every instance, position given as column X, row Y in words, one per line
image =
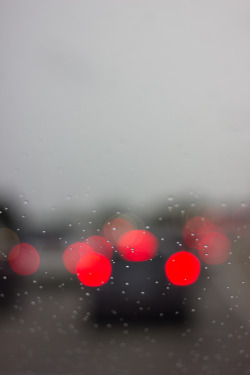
column 130, row 99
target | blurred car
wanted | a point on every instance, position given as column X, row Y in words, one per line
column 141, row 289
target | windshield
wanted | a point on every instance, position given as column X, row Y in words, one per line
column 124, row 195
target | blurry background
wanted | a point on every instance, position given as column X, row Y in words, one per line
column 139, row 107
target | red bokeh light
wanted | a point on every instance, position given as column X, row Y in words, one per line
column 137, row 245
column 24, row 259
column 93, row 269
column 182, row 268
column 73, row 254
column 115, row 228
column 214, row 248
column 195, row 229
column 100, row 245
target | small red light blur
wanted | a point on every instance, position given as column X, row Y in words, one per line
column 24, row 259
column 182, row 268
column 137, row 246
column 115, row 228
column 73, row 254
column 100, row 245
column 195, row 229
column 93, row 269
column 214, row 248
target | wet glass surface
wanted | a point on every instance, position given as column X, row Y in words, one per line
column 124, row 194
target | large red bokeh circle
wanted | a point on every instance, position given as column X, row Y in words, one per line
column 115, row 228
column 182, row 268
column 214, row 248
column 94, row 269
column 137, row 245
column 73, row 254
column 24, row 259
column 195, row 229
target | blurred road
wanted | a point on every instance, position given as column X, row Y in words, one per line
column 48, row 330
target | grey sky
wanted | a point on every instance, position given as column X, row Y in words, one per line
column 130, row 99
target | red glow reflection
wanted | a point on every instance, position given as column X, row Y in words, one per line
column 182, row 268
column 73, row 254
column 93, row 269
column 214, row 248
column 100, row 245
column 24, row 259
column 195, row 229
column 115, row 228
column 137, row 245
